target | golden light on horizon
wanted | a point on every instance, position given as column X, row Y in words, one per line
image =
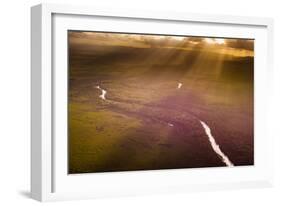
column 228, row 46
column 219, row 41
column 177, row 38
column 214, row 41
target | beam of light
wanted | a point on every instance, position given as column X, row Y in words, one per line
column 201, row 61
column 172, row 54
column 198, row 62
column 215, row 146
column 218, row 65
column 103, row 92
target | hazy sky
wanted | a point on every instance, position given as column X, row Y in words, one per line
column 235, row 47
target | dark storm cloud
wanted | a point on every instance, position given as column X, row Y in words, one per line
column 240, row 44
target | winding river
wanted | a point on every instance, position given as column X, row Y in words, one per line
column 212, row 140
column 179, row 85
column 103, row 92
column 206, row 128
column 215, row 146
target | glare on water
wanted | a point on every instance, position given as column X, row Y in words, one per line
column 103, row 92
column 215, row 146
column 179, row 85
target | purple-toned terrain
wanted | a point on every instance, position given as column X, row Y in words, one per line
column 177, row 103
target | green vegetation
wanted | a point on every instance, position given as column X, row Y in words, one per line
column 93, row 134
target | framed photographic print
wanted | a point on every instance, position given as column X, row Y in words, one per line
column 137, row 102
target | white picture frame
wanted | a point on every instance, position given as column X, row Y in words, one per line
column 49, row 178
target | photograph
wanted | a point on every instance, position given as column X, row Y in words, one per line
column 157, row 101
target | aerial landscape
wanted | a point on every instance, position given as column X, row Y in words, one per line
column 150, row 102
